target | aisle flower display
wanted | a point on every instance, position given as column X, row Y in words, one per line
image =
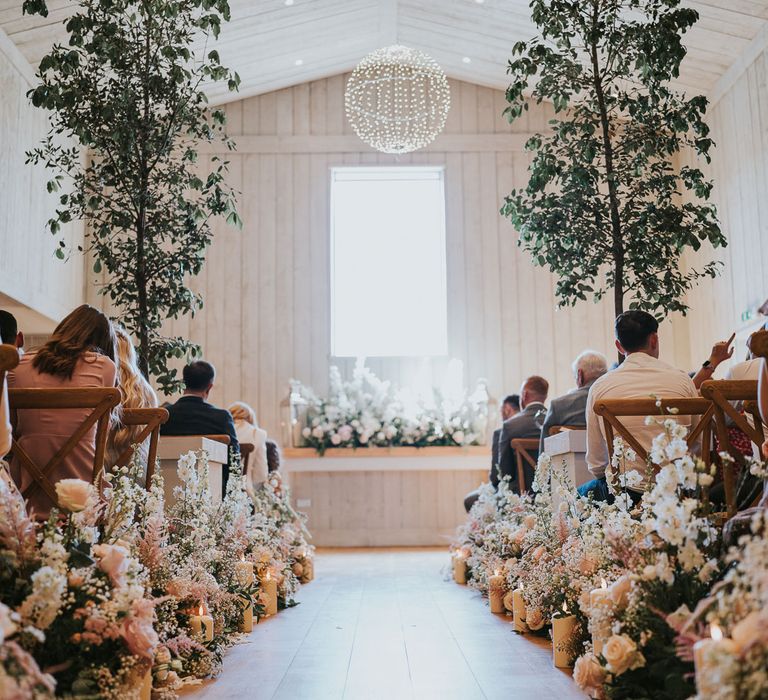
column 643, row 583
column 119, row 593
column 369, row 412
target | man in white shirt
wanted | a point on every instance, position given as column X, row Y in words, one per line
column 641, row 375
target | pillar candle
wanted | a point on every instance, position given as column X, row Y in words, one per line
column 518, row 611
column 459, row 568
column 145, row 691
column 269, row 586
column 563, row 647
column 309, row 569
column 246, row 625
column 201, row 625
column 600, row 607
column 496, row 590
column 244, row 572
column 716, row 666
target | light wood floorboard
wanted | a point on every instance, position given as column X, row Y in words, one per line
column 384, row 623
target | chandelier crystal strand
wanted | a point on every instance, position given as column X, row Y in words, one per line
column 397, row 99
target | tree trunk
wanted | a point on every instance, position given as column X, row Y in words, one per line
column 141, row 221
column 617, row 242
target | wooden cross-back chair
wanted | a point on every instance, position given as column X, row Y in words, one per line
column 246, row 448
column 722, row 393
column 9, row 358
column 151, row 419
column 100, row 401
column 611, row 410
column 525, row 449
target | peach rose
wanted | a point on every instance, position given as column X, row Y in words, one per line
column 620, row 591
column 138, row 629
column 113, row 561
column 529, row 521
column 621, row 654
column 297, row 569
column 587, row 565
column 751, row 629
column 534, row 619
column 73, row 494
column 589, row 674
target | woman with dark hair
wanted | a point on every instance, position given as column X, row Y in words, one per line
column 82, row 352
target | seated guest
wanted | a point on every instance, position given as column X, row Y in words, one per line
column 9, row 330
column 193, row 415
column 509, row 407
column 248, row 431
column 273, row 456
column 82, row 352
column 569, row 409
column 136, row 393
column 721, row 351
column 526, row 424
column 641, row 375
column 5, row 419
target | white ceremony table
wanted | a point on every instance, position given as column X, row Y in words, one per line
column 170, row 448
column 384, row 496
column 568, row 451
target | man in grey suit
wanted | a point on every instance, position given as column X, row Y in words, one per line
column 526, row 424
column 509, row 407
column 570, row 408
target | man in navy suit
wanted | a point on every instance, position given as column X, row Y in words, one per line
column 193, row 415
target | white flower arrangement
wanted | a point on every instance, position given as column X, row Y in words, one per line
column 368, row 412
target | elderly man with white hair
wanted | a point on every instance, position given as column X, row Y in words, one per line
column 570, row 409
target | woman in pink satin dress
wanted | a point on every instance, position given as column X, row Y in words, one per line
column 81, row 353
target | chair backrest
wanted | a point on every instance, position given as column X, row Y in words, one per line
column 245, row 453
column 9, row 358
column 524, row 449
column 722, row 393
column 611, row 410
column 151, row 419
column 100, row 400
column 555, row 429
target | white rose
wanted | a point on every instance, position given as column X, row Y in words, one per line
column 363, row 438
column 335, row 439
column 588, row 673
column 649, row 573
column 317, row 433
column 458, row 436
column 7, row 624
column 621, row 654
column 534, row 619
column 73, row 494
column 620, row 591
column 750, row 630
column 306, row 432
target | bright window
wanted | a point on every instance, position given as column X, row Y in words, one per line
column 388, row 288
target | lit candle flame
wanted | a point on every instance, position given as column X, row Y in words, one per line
column 565, row 607
column 715, row 632
column 200, row 610
column 603, row 583
column 498, row 572
column 242, row 557
column 267, row 576
column 521, row 585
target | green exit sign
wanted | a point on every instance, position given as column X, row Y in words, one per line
column 747, row 315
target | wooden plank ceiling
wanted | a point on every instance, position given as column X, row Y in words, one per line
column 277, row 43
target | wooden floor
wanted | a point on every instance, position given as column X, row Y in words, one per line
column 383, row 623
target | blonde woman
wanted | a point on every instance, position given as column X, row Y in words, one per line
column 248, row 431
column 137, row 393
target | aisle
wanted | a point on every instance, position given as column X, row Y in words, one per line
column 382, row 623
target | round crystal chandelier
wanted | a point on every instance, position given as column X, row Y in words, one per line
column 397, row 99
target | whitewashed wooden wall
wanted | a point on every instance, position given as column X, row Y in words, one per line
column 267, row 287
column 739, row 122
column 29, row 273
